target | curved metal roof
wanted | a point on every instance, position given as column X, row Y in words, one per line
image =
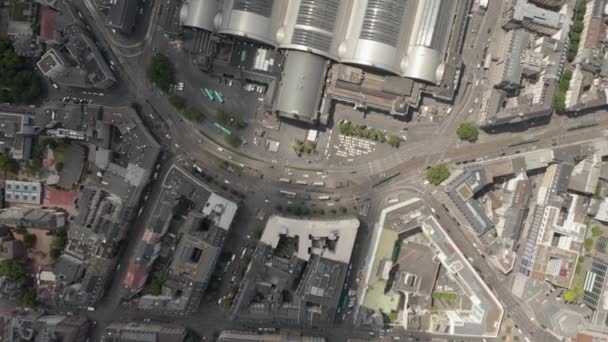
column 435, row 21
column 251, row 19
column 310, row 25
column 383, row 21
column 315, row 24
column 301, row 86
column 259, row 7
column 199, row 14
column 377, row 35
column 428, row 41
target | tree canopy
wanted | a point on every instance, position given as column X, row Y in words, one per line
column 232, row 139
column 161, row 71
column 12, row 270
column 437, row 174
column 8, row 164
column 193, row 114
column 58, row 244
column 394, row 140
column 27, row 296
column 19, row 83
column 29, row 240
column 467, row 132
column 177, row 101
column 596, row 231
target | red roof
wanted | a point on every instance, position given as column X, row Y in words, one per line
column 47, row 24
column 59, row 198
column 136, row 276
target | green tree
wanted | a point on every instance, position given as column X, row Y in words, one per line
column 8, row 164
column 155, row 286
column 588, row 244
column 12, row 270
column 570, row 295
column 437, row 174
column 27, row 296
column 19, row 83
column 29, row 240
column 177, row 101
column 222, row 117
column 58, row 244
column 345, row 128
column 298, row 146
column 193, row 114
column 394, row 140
column 232, row 139
column 596, row 231
column 467, row 132
column 59, row 166
column 161, row 71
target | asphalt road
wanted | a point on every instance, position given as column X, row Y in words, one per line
column 184, row 143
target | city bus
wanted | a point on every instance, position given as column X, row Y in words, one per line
column 208, row 93
column 219, row 96
column 289, row 194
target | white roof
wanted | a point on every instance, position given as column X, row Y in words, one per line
column 221, row 210
column 343, row 232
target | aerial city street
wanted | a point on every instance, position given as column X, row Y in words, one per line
column 303, row 170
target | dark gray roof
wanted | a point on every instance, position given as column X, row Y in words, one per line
column 68, row 268
column 122, row 15
column 595, row 282
column 299, row 93
column 514, row 218
column 512, row 61
column 322, row 282
column 475, row 179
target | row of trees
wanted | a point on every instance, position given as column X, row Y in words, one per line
column 305, row 211
column 19, row 83
column 161, row 72
column 362, row 131
column 307, row 147
column 560, row 98
column 190, row 113
column 576, row 29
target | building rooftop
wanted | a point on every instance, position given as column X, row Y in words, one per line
column 344, row 31
column 585, row 176
column 304, row 75
column 331, row 239
column 462, row 191
column 16, row 132
column 22, row 192
column 122, row 15
column 135, row 332
column 248, row 336
column 406, row 220
column 220, row 211
column 78, row 62
column 32, row 218
column 489, row 310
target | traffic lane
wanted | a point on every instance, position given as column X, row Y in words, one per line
column 110, row 303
